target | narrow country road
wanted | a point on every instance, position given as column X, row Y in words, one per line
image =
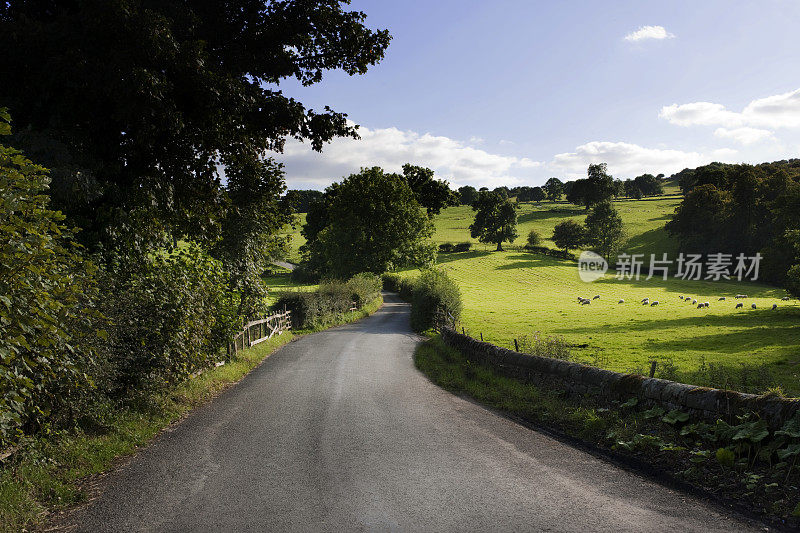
column 339, row 432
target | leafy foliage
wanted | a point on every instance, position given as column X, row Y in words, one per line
column 435, row 295
column 432, row 194
column 495, row 220
column 180, row 88
column 330, row 301
column 46, row 294
column 569, row 235
column 604, row 229
column 370, row 222
column 170, row 317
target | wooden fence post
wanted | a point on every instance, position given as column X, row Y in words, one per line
column 516, row 346
column 462, row 330
column 652, row 369
column 481, row 336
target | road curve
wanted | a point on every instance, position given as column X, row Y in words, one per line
column 338, row 431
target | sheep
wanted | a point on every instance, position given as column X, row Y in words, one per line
column 585, row 302
column 596, row 297
column 645, row 301
column 655, row 302
column 785, row 298
column 753, row 306
column 722, row 299
column 680, row 297
column 774, row 306
column 739, row 305
column 740, row 296
column 700, row 306
column 694, row 301
column 705, row 304
column 621, row 302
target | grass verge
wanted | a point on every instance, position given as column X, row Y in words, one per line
column 664, row 445
column 51, row 473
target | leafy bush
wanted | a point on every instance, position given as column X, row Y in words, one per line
column 331, row 300
column 406, row 289
column 170, row 316
column 46, row 294
column 364, row 288
column 560, row 254
column 446, row 247
column 391, row 282
column 543, row 346
column 434, row 294
column 462, row 247
column 534, row 239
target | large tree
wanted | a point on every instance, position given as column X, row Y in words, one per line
column 554, row 189
column 604, row 229
column 495, row 219
column 135, row 104
column 569, row 235
column 372, row 222
column 467, row 194
column 432, row 194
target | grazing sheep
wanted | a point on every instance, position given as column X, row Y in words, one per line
column 774, row 306
column 694, row 301
column 785, row 298
column 645, row 300
column 740, row 296
column 721, row 299
column 705, row 304
column 654, row 303
column 596, row 297
column 739, row 305
column 585, row 302
column 680, row 297
column 753, row 306
column 621, row 302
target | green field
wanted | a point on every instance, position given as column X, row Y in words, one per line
column 644, row 223
column 513, row 293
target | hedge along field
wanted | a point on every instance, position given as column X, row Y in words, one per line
column 511, row 294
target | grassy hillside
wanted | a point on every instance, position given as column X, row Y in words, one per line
column 644, row 224
column 511, row 294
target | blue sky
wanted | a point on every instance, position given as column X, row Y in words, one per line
column 514, row 92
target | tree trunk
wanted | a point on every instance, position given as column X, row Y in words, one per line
column 500, row 246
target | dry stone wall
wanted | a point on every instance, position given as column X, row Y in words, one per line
column 702, row 402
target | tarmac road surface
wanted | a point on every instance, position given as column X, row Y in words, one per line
column 338, row 431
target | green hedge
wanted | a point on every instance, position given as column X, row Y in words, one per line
column 560, row 254
column 331, row 300
column 435, row 295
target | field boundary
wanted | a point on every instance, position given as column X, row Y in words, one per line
column 576, row 378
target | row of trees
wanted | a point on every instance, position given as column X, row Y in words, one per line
column 744, row 209
column 129, row 264
column 596, row 187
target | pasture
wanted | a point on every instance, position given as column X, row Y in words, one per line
column 510, row 294
column 514, row 293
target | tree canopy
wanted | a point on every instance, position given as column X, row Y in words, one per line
column 432, row 194
column 135, row 104
column 554, row 189
column 604, row 229
column 569, row 235
column 495, row 219
column 370, row 222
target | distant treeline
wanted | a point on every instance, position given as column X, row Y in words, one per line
column 746, row 209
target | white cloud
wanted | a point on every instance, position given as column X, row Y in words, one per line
column 744, row 135
column 649, row 32
column 777, row 111
column 626, row 160
column 390, row 148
